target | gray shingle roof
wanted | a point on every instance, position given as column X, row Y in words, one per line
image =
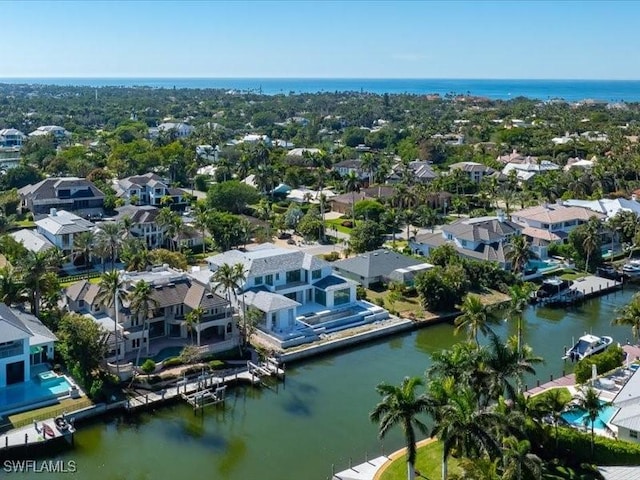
column 47, row 188
column 268, row 302
column 481, row 230
column 17, row 325
column 329, row 281
column 138, row 214
column 374, row 264
column 150, row 179
column 268, row 259
column 31, row 240
column 64, row 222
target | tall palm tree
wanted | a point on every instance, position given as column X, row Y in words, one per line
column 201, row 222
column 591, row 239
column 630, row 315
column 554, row 404
column 34, row 268
column 475, row 318
column 12, row 289
column 192, row 320
column 111, row 294
column 519, row 295
column 589, row 400
column 142, row 303
column 352, row 184
column 111, row 235
column 459, row 424
column 519, row 253
column 82, row 247
column 401, row 406
column 229, row 278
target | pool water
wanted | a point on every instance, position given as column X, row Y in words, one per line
column 578, row 417
column 540, row 264
column 32, row 392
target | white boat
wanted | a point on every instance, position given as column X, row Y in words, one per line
column 586, row 346
column 631, row 269
column 551, row 289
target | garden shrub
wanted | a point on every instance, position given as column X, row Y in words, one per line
column 216, row 364
column 148, row 366
column 172, row 362
column 605, row 362
column 576, row 445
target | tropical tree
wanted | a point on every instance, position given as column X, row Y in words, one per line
column 518, row 460
column 82, row 247
column 192, row 320
column 554, row 404
column 34, row 268
column 401, row 405
column 352, row 184
column 230, row 279
column 201, row 222
column 142, row 303
column 519, row 253
column 110, row 236
column 588, row 400
column 12, row 289
column 629, row 315
column 519, row 295
column 591, row 239
column 111, row 294
column 475, row 318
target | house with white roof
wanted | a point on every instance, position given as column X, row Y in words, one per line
column 31, row 240
column 480, row 238
column 11, row 138
column 25, row 342
column 177, row 129
column 60, row 227
column 347, row 167
column 607, row 206
column 476, row 171
column 525, row 171
column 627, row 418
column 546, row 224
column 149, row 189
column 57, row 132
column 581, row 163
column 298, row 295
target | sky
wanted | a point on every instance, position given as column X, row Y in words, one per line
column 321, row 39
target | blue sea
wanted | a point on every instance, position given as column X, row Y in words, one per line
column 570, row 90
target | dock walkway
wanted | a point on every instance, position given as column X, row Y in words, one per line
column 34, row 434
column 583, row 289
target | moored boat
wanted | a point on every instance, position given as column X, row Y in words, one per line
column 586, row 346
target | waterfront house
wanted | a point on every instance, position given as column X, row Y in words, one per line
column 475, row 171
column 175, row 294
column 627, row 418
column 57, row 132
column 24, row 343
column 380, row 266
column 608, row 206
column 11, row 138
column 60, row 227
column 546, row 224
column 526, row 170
column 150, row 189
column 297, row 294
column 480, row 238
column 31, row 240
column 73, row 194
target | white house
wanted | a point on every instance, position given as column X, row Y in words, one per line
column 607, row 206
column 59, row 133
column 475, row 171
column 149, row 189
column 144, row 223
column 60, row 227
column 24, row 342
column 347, row 167
column 11, row 138
column 179, row 129
column 298, row 295
column 31, row 240
column 527, row 170
column 480, row 238
column 550, row 223
column 627, row 418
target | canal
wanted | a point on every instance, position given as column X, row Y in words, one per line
column 319, row 417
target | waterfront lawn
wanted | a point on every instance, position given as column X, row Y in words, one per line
column 44, row 413
column 428, row 463
column 571, row 275
column 565, row 395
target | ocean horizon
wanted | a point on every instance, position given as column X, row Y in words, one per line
column 497, row 89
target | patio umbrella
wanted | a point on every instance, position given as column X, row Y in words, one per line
column 594, row 372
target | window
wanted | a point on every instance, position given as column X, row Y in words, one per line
column 316, row 274
column 258, row 281
column 277, row 276
column 463, row 243
column 81, row 303
column 545, row 226
column 340, row 297
column 293, row 276
column 633, row 434
column 273, row 321
column 321, row 297
column 268, row 279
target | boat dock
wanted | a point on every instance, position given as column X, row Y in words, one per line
column 207, row 388
column 37, row 433
column 583, row 289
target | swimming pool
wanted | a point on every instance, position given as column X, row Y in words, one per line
column 577, row 417
column 540, row 265
column 33, row 392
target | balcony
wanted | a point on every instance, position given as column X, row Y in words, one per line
column 286, row 286
column 10, row 351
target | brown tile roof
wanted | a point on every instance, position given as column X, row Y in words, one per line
column 554, row 213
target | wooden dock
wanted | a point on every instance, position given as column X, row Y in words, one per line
column 37, row 433
column 583, row 289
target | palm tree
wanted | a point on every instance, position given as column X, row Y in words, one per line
column 142, row 303
column 111, row 294
column 12, row 289
column 630, row 315
column 34, row 268
column 82, row 247
column 201, row 222
column 589, row 400
column 591, row 239
column 111, row 235
column 554, row 404
column 475, row 318
column 519, row 295
column 192, row 319
column 519, row 253
column 229, row 278
column 352, row 184
column 401, row 406
column 518, row 460
column 459, row 424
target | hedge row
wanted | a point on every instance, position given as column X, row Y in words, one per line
column 605, row 362
column 576, row 445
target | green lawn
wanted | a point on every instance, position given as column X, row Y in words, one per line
column 428, row 463
column 564, row 395
column 336, row 224
column 66, row 405
column 568, row 275
column 26, row 224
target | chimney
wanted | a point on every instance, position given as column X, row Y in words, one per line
column 500, row 215
column 53, row 212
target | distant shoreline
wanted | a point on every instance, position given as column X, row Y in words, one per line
column 495, row 89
